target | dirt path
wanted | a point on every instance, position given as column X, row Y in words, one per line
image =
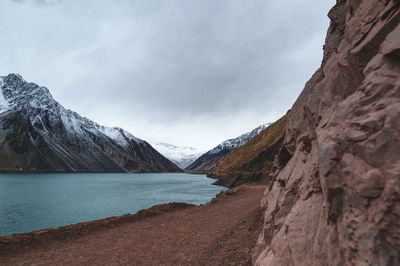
column 219, row 233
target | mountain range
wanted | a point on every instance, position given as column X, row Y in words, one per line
column 253, row 161
column 181, row 156
column 207, row 161
column 40, row 135
column 331, row 164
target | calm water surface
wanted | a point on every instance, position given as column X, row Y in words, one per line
column 31, row 202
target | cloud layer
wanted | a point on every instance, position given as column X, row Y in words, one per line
column 184, row 72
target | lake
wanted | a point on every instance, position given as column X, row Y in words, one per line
column 31, row 202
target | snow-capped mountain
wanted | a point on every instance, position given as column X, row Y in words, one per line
column 38, row 135
column 231, row 144
column 181, row 156
column 208, row 160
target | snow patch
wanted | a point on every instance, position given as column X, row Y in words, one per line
column 3, row 101
column 231, row 144
column 181, row 156
column 71, row 124
column 39, row 103
column 121, row 136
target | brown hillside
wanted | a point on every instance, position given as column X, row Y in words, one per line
column 251, row 162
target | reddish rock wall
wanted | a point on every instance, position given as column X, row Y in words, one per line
column 335, row 199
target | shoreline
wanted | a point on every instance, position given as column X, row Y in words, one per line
column 229, row 223
column 87, row 172
column 27, row 238
column 20, row 224
column 22, row 241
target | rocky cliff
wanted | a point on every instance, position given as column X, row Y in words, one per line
column 336, row 190
column 251, row 162
column 37, row 134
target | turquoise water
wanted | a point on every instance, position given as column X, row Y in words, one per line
column 31, row 202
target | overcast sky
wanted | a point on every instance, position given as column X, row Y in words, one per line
column 185, row 72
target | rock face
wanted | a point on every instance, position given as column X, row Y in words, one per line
column 336, row 190
column 206, row 162
column 251, row 162
column 37, row 134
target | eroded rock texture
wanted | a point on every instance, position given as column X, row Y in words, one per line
column 335, row 199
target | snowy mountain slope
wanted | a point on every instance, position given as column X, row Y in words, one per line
column 207, row 161
column 181, row 156
column 39, row 135
column 231, row 144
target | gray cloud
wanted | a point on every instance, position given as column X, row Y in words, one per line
column 187, row 72
column 39, row 2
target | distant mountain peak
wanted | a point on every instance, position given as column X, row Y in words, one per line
column 14, row 76
column 17, row 93
column 39, row 134
column 208, row 160
column 230, row 144
column 171, row 146
column 181, row 156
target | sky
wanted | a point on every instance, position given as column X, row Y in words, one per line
column 185, row 72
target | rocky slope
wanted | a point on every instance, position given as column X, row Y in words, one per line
column 251, row 162
column 39, row 135
column 206, row 162
column 336, row 190
column 181, row 156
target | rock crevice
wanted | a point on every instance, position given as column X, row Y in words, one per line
column 336, row 185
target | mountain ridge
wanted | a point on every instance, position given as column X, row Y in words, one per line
column 207, row 161
column 181, row 156
column 40, row 135
column 253, row 161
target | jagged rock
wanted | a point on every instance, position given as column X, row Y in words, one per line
column 335, row 198
column 39, row 135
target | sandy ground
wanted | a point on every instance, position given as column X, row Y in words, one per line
column 219, row 233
